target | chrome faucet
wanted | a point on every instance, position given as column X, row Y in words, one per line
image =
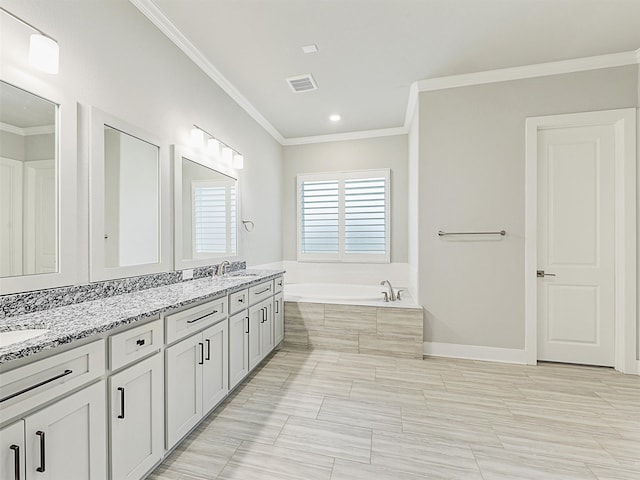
column 223, row 267
column 391, row 295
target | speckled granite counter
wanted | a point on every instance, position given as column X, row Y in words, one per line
column 82, row 320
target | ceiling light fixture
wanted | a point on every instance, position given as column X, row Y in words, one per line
column 335, row 117
column 229, row 155
column 44, row 51
column 313, row 48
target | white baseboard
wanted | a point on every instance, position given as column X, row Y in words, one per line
column 475, row 352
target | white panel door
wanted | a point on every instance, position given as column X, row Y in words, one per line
column 256, row 317
column 10, row 217
column 137, row 419
column 41, row 220
column 12, row 451
column 238, row 347
column 184, row 362
column 67, row 440
column 278, row 318
column 576, row 215
column 215, row 371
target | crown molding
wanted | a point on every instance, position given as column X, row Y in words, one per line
column 530, row 71
column 27, row 131
column 150, row 10
column 341, row 137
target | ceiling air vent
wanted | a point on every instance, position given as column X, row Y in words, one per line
column 302, row 83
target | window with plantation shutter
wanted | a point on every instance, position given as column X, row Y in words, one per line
column 344, row 216
column 214, row 217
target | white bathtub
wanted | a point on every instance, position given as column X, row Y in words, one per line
column 342, row 293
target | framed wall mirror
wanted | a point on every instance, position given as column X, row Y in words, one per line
column 129, row 233
column 37, row 190
column 206, row 209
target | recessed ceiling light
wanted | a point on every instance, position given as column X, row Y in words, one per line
column 313, row 48
column 335, row 117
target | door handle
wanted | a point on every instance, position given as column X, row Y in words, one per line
column 208, row 357
column 542, row 274
column 41, row 468
column 121, row 390
column 16, row 461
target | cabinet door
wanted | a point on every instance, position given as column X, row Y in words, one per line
column 184, row 362
column 12, row 451
column 266, row 328
column 278, row 318
column 238, row 347
column 215, row 371
column 255, row 344
column 67, row 440
column 137, row 419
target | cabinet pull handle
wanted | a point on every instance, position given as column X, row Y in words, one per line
column 263, row 291
column 241, row 300
column 41, row 468
column 121, row 390
column 203, row 316
column 208, row 349
column 16, row 461
column 33, row 387
column 201, row 362
column 140, row 342
column 264, row 314
column 248, row 323
column 277, row 309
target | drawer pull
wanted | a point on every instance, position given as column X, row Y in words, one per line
column 140, row 342
column 268, row 289
column 41, row 468
column 121, row 390
column 203, row 316
column 33, row 387
column 241, row 300
column 16, row 461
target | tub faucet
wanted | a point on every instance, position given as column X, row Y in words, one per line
column 223, row 267
column 392, row 295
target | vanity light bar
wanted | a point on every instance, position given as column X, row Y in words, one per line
column 230, row 154
column 44, row 51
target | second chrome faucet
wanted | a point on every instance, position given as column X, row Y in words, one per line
column 391, row 295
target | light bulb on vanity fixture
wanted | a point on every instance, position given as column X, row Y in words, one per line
column 44, row 51
column 229, row 155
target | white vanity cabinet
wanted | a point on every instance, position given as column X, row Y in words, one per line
column 196, row 373
column 278, row 318
column 136, row 401
column 12, row 458
column 238, row 347
column 66, row 439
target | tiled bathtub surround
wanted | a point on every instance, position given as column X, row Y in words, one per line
column 39, row 300
column 74, row 322
column 352, row 328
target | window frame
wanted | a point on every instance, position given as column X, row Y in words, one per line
column 340, row 177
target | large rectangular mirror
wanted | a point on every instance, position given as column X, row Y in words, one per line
column 34, row 180
column 206, row 210
column 127, row 196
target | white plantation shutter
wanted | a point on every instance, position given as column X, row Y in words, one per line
column 365, row 221
column 214, row 216
column 344, row 216
column 320, row 232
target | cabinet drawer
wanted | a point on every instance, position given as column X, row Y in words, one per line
column 182, row 324
column 36, row 383
column 135, row 343
column 260, row 292
column 238, row 301
column 279, row 284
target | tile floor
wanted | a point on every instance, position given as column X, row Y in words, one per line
column 307, row 415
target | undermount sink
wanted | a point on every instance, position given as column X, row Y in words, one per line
column 16, row 336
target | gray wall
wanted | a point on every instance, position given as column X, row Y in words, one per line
column 381, row 152
column 472, row 158
column 113, row 58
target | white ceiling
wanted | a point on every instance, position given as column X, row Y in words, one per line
column 371, row 51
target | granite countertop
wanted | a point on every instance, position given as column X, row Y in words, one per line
column 82, row 320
